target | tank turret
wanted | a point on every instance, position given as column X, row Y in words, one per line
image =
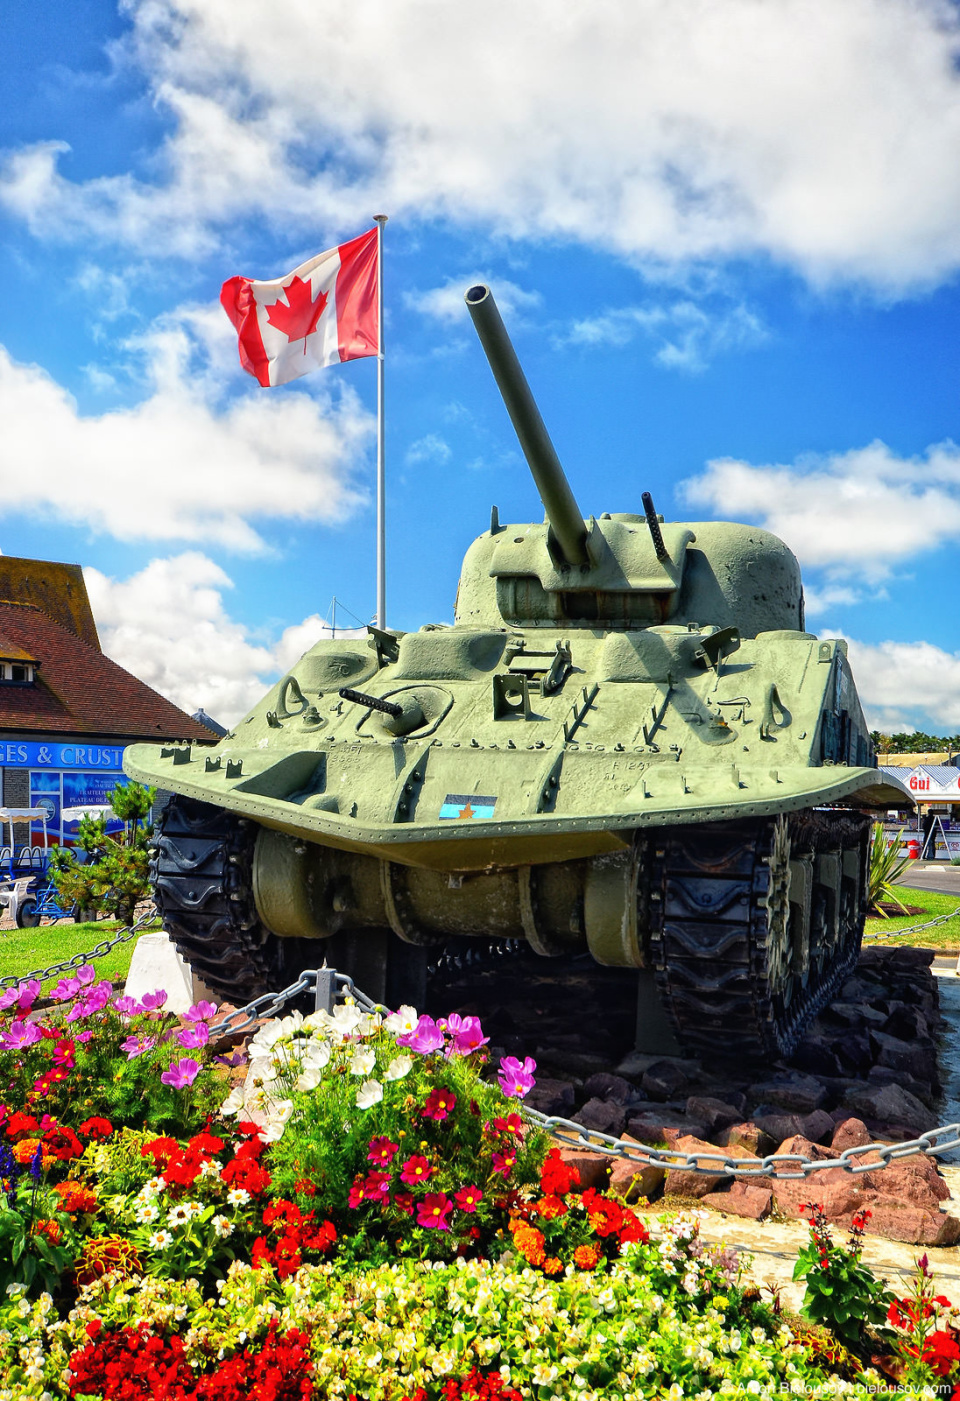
column 626, row 744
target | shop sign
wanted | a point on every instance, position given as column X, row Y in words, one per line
column 17, row 754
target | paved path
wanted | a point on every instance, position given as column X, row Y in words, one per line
column 940, row 877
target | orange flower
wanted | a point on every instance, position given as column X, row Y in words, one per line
column 551, row 1206
column 552, row 1266
column 50, row 1229
column 586, row 1257
column 24, row 1152
column 76, row 1197
column 529, row 1241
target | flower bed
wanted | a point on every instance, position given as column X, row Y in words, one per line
column 371, row 1217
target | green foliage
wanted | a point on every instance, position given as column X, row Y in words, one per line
column 886, row 864
column 115, row 876
column 841, row 1293
column 917, row 743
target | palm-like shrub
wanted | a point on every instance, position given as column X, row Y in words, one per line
column 886, row 867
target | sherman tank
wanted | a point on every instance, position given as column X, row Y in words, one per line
column 626, row 745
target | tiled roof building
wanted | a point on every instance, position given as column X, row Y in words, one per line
column 66, row 710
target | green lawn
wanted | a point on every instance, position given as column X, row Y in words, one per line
column 23, row 951
column 944, row 936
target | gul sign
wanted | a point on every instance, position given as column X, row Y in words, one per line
column 23, row 755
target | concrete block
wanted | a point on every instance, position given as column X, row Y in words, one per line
column 157, row 964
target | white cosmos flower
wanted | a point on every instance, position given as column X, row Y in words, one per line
column 399, row 1067
column 401, row 1021
column 362, row 1061
column 309, row 1078
column 369, row 1094
column 370, row 1023
column 291, row 1024
column 233, row 1102
column 265, row 1039
column 317, row 1054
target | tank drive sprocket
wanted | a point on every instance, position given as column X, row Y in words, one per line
column 201, row 873
column 761, row 922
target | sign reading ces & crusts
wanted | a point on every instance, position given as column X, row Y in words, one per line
column 16, row 754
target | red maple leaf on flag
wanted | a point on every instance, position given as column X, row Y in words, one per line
column 298, row 318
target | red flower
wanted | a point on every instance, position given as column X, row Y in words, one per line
column 246, row 1174
column 159, row 1149
column 940, row 1352
column 382, row 1151
column 357, row 1193
column 403, row 1201
column 504, row 1162
column 415, row 1170
column 512, row 1125
column 206, row 1143
column 434, row 1210
column 62, row 1143
column 281, row 1210
column 605, row 1216
column 183, row 1168
column 551, row 1206
column 468, row 1198
column 556, row 1176
column 439, row 1105
column 18, row 1125
column 96, row 1128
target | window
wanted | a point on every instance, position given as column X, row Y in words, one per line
column 17, row 673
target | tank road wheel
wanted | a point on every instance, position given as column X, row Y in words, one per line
column 779, row 949
column 201, row 872
column 760, row 921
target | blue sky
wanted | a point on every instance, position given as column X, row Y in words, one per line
column 725, row 238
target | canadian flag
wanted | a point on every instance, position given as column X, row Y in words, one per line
column 323, row 312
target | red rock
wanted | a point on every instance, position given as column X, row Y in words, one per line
column 594, row 1168
column 850, row 1133
column 630, row 1179
column 817, row 1127
column 836, row 1191
column 912, row 1181
column 747, row 1136
column 894, row 1221
column 684, row 1182
column 889, row 1104
column 801, row 1147
column 601, row 1115
column 656, row 1125
column 743, row 1199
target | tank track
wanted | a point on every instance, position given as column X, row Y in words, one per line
column 712, row 947
column 201, row 877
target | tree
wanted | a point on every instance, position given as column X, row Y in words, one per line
column 115, row 874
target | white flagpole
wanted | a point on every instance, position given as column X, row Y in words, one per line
column 380, row 220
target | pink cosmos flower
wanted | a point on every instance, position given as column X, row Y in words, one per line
column 8, row 998
column 67, row 988
column 434, row 1210
column 376, row 1184
column 193, row 1037
column 504, row 1163
column 24, row 995
column 127, row 1006
column 425, row 1037
column 468, row 1198
column 181, row 1074
column 467, row 1037
column 20, row 1035
column 83, row 1036
column 153, row 1001
column 439, row 1104
column 136, row 1045
column 516, row 1080
column 383, row 1151
column 201, row 1012
column 415, row 1170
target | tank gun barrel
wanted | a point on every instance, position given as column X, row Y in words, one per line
column 563, row 513
column 373, row 702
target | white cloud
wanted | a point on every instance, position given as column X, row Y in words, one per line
column 432, row 448
column 822, row 133
column 446, row 303
column 169, row 626
column 181, row 464
column 688, row 335
column 856, row 514
column 907, row 685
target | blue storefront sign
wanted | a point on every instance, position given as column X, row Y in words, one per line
column 18, row 754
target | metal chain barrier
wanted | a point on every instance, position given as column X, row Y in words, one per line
column 148, row 917
column 914, row 928
column 329, row 985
